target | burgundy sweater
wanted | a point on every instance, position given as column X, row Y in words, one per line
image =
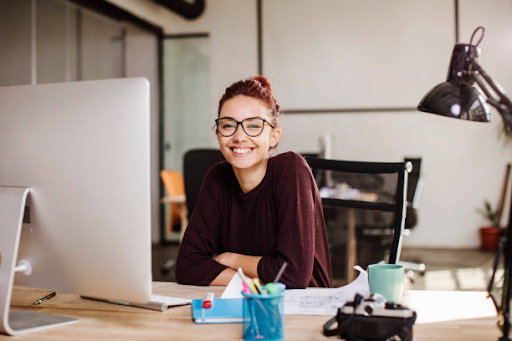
column 281, row 220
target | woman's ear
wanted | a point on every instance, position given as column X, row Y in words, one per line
column 275, row 136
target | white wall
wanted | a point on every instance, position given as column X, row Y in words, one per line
column 464, row 162
column 141, row 60
column 231, row 25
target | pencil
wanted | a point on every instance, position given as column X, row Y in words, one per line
column 280, row 273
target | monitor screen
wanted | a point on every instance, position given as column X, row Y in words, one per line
column 83, row 150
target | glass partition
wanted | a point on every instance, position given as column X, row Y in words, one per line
column 187, row 115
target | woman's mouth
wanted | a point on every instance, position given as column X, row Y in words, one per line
column 241, row 150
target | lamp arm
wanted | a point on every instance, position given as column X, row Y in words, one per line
column 504, row 107
column 502, row 103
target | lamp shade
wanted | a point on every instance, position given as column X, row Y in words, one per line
column 462, row 101
column 458, row 97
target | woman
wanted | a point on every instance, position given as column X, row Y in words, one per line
column 255, row 211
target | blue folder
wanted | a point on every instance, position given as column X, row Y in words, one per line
column 223, row 310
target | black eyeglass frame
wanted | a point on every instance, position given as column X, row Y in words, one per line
column 240, row 123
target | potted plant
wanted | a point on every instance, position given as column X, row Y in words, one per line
column 490, row 234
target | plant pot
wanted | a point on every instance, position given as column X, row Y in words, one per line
column 489, row 238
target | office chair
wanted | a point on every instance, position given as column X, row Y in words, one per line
column 358, row 186
column 175, row 188
column 196, row 163
column 414, row 184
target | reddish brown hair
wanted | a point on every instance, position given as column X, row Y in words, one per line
column 257, row 87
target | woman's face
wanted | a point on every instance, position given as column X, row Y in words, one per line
column 242, row 151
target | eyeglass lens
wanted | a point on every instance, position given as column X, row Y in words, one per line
column 252, row 126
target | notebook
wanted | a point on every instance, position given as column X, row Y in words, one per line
column 223, row 310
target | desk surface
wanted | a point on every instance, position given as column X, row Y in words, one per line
column 441, row 316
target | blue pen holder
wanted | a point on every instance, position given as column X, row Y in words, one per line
column 264, row 315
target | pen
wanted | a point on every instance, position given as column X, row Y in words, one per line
column 280, row 273
column 45, row 298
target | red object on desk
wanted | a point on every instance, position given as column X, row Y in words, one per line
column 208, row 300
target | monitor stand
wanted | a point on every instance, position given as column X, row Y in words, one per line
column 12, row 208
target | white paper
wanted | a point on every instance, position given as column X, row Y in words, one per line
column 325, row 301
column 234, row 288
column 312, row 301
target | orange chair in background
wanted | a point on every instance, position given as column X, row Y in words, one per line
column 175, row 188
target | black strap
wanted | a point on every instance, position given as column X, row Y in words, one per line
column 327, row 327
column 342, row 327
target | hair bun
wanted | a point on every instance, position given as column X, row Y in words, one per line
column 264, row 82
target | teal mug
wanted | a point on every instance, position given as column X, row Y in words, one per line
column 387, row 280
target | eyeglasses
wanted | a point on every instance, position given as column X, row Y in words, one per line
column 252, row 126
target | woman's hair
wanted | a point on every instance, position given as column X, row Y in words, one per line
column 257, row 87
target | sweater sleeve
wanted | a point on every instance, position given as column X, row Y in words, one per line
column 195, row 264
column 295, row 209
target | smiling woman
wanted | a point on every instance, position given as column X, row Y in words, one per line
column 255, row 211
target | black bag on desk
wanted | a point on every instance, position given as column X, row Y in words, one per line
column 372, row 319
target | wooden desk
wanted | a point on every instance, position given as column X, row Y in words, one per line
column 441, row 316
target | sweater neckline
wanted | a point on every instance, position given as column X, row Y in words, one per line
column 256, row 189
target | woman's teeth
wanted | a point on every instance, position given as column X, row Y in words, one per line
column 241, row 150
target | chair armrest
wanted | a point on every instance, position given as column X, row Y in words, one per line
column 178, row 199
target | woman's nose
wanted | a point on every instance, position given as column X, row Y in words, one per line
column 239, row 134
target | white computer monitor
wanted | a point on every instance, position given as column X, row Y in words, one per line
column 82, row 148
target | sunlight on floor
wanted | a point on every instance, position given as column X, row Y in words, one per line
column 457, row 279
column 440, row 280
column 472, row 278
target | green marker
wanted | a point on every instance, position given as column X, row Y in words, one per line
column 271, row 288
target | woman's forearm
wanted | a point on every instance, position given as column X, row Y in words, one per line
column 224, row 277
column 249, row 264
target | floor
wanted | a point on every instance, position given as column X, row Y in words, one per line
column 451, row 269
column 446, row 269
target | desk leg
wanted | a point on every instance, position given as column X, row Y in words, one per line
column 351, row 244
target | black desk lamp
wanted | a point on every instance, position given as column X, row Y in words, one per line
column 465, row 95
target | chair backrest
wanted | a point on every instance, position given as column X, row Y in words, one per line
column 196, row 164
column 373, row 172
column 174, row 186
column 173, row 182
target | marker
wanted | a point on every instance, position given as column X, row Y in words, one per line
column 271, row 288
column 208, row 300
column 244, row 280
column 246, row 289
column 45, row 298
column 253, row 287
column 257, row 285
